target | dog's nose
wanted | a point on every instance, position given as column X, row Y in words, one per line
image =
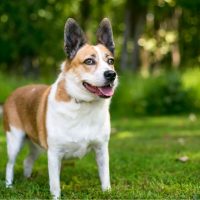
column 110, row 75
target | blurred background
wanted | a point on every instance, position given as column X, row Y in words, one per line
column 157, row 49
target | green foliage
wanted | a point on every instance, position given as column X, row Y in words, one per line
column 34, row 29
column 129, row 94
column 191, row 81
column 144, row 164
column 166, row 93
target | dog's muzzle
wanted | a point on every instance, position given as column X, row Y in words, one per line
column 110, row 75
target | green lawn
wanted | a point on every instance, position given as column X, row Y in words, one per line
column 144, row 164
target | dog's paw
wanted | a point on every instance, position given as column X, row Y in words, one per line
column 55, row 197
column 27, row 174
column 9, row 185
column 106, row 188
column 55, row 194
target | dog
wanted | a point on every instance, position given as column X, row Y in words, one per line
column 70, row 117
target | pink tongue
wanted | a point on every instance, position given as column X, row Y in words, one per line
column 107, row 91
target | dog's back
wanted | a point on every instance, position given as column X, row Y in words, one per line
column 25, row 110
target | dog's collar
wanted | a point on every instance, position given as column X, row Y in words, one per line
column 81, row 101
column 78, row 101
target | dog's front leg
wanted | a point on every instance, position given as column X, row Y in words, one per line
column 54, row 165
column 102, row 158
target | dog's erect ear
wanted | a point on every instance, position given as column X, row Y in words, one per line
column 74, row 38
column 105, row 34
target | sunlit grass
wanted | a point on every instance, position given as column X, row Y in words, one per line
column 144, row 163
column 191, row 81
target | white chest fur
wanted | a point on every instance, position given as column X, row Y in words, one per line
column 74, row 128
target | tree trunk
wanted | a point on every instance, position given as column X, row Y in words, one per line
column 176, row 57
column 124, row 53
column 137, row 34
column 30, row 67
column 175, row 51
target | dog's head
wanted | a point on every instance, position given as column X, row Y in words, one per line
column 89, row 70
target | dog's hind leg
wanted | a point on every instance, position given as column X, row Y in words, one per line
column 15, row 140
column 30, row 159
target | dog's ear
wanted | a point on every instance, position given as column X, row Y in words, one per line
column 105, row 34
column 74, row 38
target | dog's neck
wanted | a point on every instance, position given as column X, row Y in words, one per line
column 63, row 94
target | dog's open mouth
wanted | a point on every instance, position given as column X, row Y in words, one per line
column 104, row 91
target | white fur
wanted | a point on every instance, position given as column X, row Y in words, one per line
column 15, row 138
column 34, row 152
column 73, row 128
column 15, row 141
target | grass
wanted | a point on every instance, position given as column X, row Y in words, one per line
column 144, row 164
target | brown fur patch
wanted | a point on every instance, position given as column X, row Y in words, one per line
column 61, row 93
column 22, row 109
column 77, row 63
column 41, row 119
column 66, row 66
column 87, row 51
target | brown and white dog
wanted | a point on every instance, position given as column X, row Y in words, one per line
column 71, row 116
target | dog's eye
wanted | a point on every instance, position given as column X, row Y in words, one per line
column 89, row 61
column 110, row 61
